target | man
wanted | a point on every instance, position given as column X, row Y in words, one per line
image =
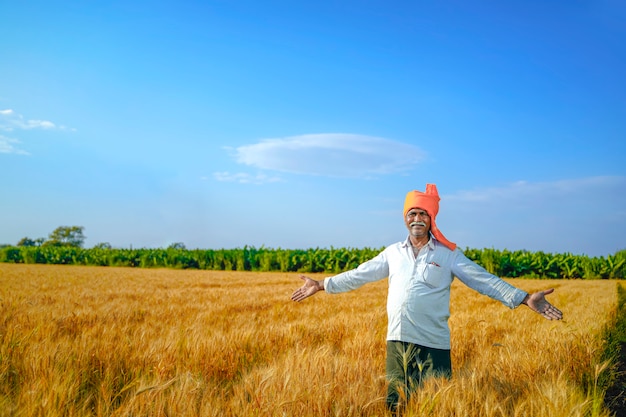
column 420, row 271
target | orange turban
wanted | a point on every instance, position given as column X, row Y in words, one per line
column 428, row 201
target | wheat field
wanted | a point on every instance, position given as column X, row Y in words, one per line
column 103, row 341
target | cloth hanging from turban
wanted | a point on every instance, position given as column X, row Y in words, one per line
column 428, row 201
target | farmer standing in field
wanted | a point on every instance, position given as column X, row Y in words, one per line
column 420, row 271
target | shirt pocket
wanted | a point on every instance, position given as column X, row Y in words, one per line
column 435, row 276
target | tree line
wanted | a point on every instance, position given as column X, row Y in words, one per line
column 64, row 246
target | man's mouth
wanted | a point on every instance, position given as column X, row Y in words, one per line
column 418, row 224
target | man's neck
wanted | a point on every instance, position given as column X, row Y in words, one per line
column 419, row 242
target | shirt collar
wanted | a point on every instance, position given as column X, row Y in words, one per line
column 430, row 244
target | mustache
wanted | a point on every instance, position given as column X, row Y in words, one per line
column 418, row 224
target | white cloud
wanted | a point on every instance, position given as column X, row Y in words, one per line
column 10, row 121
column 572, row 191
column 245, row 178
column 586, row 215
column 8, row 145
column 43, row 124
column 331, row 154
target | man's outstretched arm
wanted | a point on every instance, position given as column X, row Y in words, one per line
column 309, row 288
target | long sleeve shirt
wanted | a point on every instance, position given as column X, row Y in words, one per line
column 418, row 299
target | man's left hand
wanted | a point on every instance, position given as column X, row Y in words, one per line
column 537, row 302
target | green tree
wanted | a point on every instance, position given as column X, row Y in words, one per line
column 177, row 245
column 66, row 236
column 103, row 245
column 26, row 241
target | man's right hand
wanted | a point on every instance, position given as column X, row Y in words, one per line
column 309, row 288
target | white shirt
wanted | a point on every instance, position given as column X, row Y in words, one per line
column 418, row 301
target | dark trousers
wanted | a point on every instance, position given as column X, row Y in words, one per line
column 408, row 365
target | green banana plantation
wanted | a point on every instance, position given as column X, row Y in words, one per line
column 504, row 263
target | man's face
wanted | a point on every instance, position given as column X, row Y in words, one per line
column 417, row 221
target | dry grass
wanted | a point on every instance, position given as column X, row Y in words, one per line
column 88, row 341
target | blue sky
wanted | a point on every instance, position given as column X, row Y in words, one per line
column 221, row 124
